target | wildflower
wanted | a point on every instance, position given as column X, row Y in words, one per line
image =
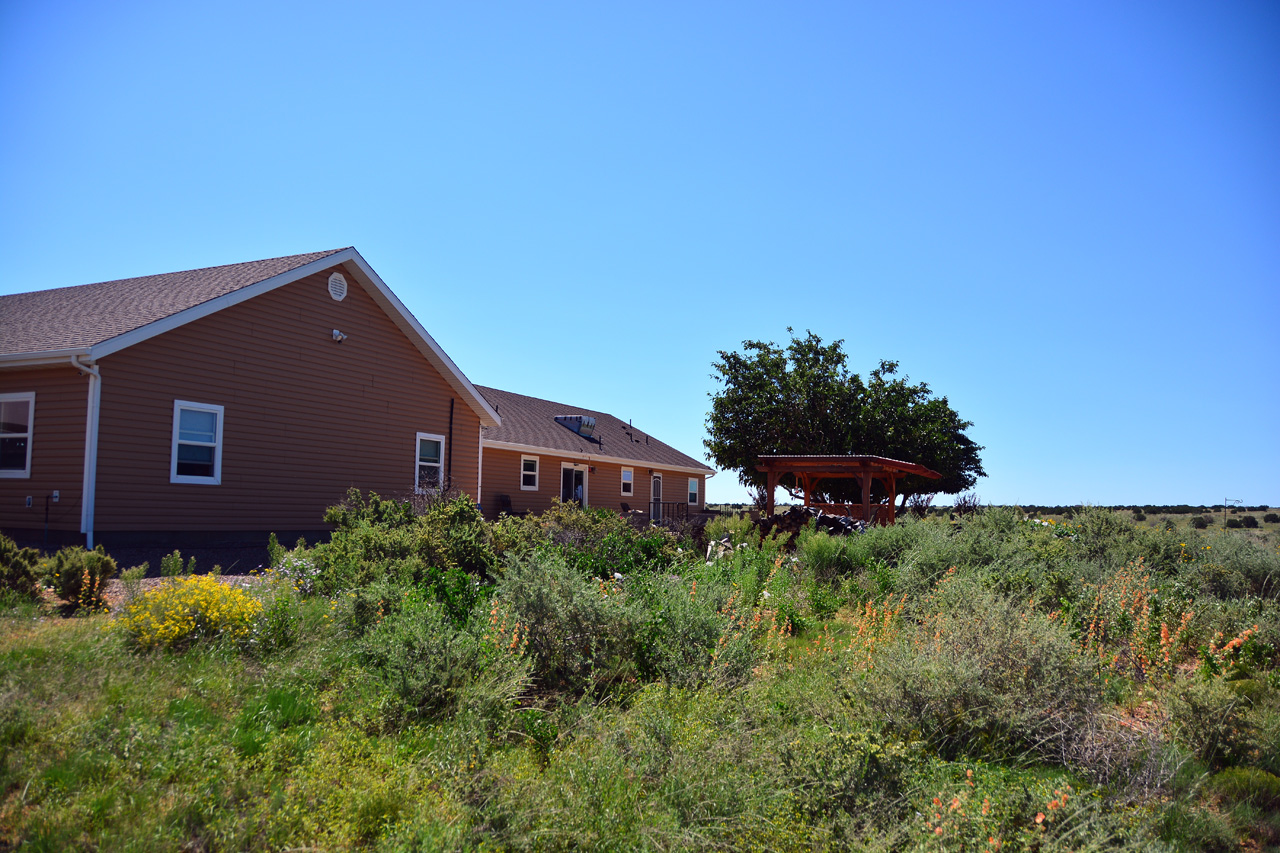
column 1040, row 817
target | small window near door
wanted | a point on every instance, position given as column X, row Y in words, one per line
column 693, row 491
column 529, row 473
column 628, row 482
column 197, row 443
column 17, row 414
column 430, row 473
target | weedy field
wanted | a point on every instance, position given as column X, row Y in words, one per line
column 428, row 680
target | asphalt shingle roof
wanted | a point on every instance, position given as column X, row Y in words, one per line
column 82, row 316
column 531, row 421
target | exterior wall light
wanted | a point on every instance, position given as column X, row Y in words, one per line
column 338, row 337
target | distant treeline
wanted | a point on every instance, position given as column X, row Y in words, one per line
column 1148, row 509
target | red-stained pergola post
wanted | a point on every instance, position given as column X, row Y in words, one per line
column 810, row 470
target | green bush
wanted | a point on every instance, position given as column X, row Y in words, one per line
column 79, row 577
column 1272, row 518
column 579, row 630
column 1213, row 720
column 981, row 676
column 18, row 570
column 1201, row 522
column 1234, row 524
column 1247, row 785
column 1249, row 521
column 439, row 669
column 442, row 545
column 595, row 541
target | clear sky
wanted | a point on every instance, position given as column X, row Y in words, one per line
column 1064, row 216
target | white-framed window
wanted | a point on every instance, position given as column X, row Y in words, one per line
column 628, row 482
column 529, row 473
column 693, row 491
column 197, row 443
column 17, row 416
column 429, row 475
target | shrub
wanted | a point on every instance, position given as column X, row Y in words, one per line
column 1201, row 522
column 579, row 630
column 18, row 569
column 1272, row 518
column 1234, row 523
column 1249, row 521
column 441, row 545
column 595, row 541
column 981, row 676
column 1247, row 785
column 1213, row 720
column 188, row 610
column 738, row 528
column 437, row 668
column 79, row 577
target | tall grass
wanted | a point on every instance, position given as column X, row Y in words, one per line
column 570, row 682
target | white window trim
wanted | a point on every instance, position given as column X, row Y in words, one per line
column 693, row 491
column 30, row 397
column 625, row 482
column 417, row 489
column 174, row 476
column 537, row 465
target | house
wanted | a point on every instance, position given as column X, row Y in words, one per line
column 222, row 404
column 543, row 450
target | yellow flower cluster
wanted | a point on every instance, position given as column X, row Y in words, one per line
column 186, row 610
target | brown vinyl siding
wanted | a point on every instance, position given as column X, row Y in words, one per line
column 604, row 485
column 305, row 418
column 57, row 450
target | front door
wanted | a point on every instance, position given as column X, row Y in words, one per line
column 573, row 485
column 655, row 509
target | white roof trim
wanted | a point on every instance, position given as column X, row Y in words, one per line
column 595, row 457
column 48, row 358
column 426, row 344
column 369, row 280
column 204, row 309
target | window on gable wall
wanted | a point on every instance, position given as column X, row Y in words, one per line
column 17, row 413
column 628, row 482
column 197, row 443
column 693, row 491
column 430, row 473
column 529, row 473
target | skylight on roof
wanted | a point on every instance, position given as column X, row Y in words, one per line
column 583, row 425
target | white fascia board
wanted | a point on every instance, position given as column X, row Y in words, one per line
column 204, row 309
column 48, row 358
column 421, row 339
column 595, row 457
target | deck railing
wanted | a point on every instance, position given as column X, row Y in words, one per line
column 668, row 509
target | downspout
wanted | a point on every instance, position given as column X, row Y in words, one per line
column 90, row 447
column 449, row 450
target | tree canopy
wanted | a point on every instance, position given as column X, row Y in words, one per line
column 804, row 400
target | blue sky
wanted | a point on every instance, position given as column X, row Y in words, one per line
column 1064, row 216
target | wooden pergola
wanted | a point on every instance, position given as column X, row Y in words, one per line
column 810, row 470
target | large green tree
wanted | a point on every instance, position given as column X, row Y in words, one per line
column 803, row 399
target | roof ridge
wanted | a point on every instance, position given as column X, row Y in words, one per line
column 317, row 256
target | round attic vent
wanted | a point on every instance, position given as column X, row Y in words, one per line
column 337, row 286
